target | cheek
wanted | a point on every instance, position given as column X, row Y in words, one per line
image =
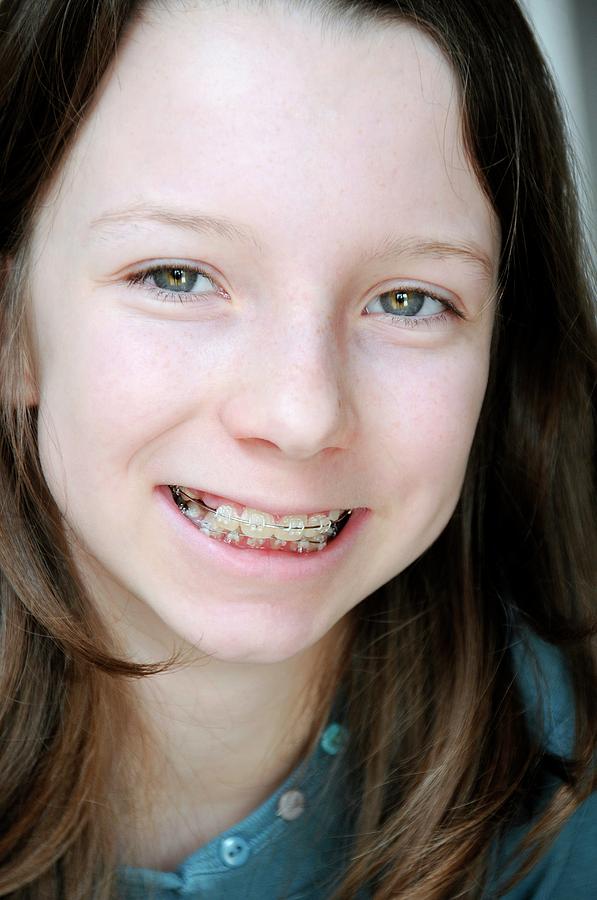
column 429, row 417
column 429, row 420
column 117, row 384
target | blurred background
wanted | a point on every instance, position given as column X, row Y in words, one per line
column 567, row 32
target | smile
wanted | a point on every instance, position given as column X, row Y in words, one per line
column 251, row 528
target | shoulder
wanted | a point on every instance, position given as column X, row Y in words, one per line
column 568, row 869
column 545, row 689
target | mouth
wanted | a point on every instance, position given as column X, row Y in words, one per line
column 248, row 528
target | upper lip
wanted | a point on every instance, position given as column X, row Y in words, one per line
column 273, row 509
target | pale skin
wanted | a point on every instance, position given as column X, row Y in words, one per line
column 286, row 377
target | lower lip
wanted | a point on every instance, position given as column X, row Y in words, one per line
column 276, row 565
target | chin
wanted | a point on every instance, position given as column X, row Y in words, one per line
column 262, row 632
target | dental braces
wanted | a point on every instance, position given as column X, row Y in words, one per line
column 293, row 531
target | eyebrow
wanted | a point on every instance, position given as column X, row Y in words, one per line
column 201, row 224
column 390, row 248
column 466, row 251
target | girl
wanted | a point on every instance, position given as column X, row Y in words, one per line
column 297, row 537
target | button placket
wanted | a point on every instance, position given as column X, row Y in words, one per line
column 291, row 805
column 334, row 738
column 234, row 851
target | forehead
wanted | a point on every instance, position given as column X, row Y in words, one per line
column 273, row 115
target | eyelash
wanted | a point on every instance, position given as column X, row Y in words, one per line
column 141, row 277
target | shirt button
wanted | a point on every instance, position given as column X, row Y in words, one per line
column 234, row 851
column 291, row 805
column 334, row 738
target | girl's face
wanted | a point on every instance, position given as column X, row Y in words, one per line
column 333, row 355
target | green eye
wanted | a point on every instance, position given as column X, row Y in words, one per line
column 412, row 306
column 185, row 283
column 175, row 279
column 406, row 303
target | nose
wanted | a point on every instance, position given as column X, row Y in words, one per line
column 294, row 391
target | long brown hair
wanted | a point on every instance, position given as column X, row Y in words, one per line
column 447, row 763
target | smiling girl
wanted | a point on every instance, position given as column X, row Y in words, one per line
column 297, row 542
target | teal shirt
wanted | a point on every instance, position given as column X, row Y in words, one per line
column 294, row 846
column 289, row 847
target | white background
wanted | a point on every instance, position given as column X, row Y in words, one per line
column 567, row 31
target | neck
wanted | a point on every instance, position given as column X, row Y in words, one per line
column 219, row 737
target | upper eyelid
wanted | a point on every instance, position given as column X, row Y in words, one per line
column 412, row 284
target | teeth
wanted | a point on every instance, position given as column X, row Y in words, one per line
column 304, row 546
column 291, row 528
column 321, row 522
column 211, row 526
column 253, row 528
column 256, row 524
column 232, row 516
column 194, row 511
column 228, row 516
column 191, row 493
